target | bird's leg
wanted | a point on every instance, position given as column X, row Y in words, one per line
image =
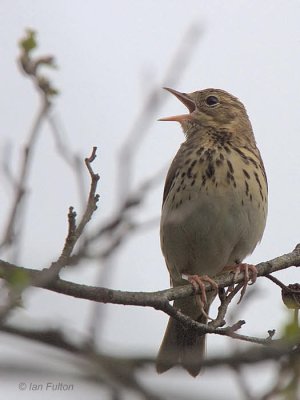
column 198, row 282
column 242, row 267
column 245, row 267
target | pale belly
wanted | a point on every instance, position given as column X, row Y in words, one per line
column 207, row 230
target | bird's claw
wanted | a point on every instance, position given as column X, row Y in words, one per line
column 245, row 268
column 198, row 282
column 237, row 269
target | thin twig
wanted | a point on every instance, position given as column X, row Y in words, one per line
column 242, row 383
column 280, row 284
column 48, row 275
column 72, row 159
column 222, row 310
column 75, row 231
column 15, row 212
column 31, row 67
column 249, row 356
column 117, row 228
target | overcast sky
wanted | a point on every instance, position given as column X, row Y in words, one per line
column 110, row 55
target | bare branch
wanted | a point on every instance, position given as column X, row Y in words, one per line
column 46, row 276
column 72, row 159
column 21, row 182
column 158, row 300
column 31, row 67
column 225, row 301
column 119, row 226
column 279, row 283
column 252, row 355
column 242, row 384
column 74, row 231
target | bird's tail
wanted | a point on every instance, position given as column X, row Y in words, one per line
column 181, row 345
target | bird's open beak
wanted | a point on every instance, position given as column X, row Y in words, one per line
column 187, row 101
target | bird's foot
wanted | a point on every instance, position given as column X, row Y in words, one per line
column 246, row 268
column 247, row 280
column 198, row 282
column 243, row 267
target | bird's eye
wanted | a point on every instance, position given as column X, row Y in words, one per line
column 212, row 100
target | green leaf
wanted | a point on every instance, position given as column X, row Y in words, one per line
column 29, row 42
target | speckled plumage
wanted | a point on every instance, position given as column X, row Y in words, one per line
column 214, row 207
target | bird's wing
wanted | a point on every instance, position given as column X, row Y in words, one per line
column 171, row 176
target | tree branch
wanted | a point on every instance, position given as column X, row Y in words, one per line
column 31, row 67
column 74, row 233
column 160, row 299
column 20, row 185
column 48, row 275
column 249, row 356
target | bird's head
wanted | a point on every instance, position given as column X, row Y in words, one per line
column 211, row 108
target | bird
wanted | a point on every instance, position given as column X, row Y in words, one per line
column 214, row 211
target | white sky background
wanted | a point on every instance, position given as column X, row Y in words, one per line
column 110, row 54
